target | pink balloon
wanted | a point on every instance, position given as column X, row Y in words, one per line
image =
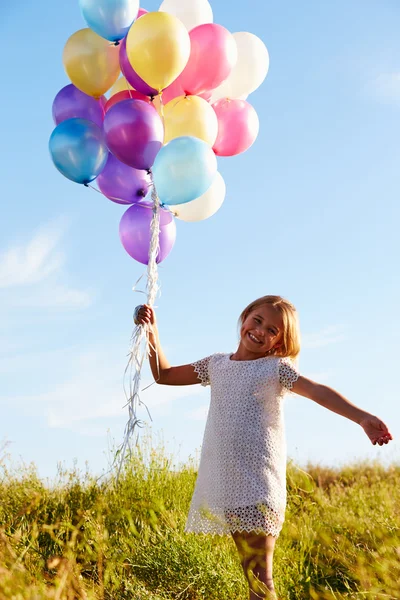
column 142, row 11
column 206, row 96
column 173, row 91
column 213, row 54
column 238, row 126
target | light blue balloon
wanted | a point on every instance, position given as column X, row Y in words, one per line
column 183, row 170
column 78, row 150
column 111, row 19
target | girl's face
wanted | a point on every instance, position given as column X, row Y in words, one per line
column 261, row 332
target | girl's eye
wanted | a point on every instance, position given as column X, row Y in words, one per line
column 272, row 331
column 257, row 320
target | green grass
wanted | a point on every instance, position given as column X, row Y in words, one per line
column 105, row 540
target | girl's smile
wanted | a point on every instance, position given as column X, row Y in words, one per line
column 254, row 339
column 261, row 332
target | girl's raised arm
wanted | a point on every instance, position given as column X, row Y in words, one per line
column 162, row 371
column 376, row 430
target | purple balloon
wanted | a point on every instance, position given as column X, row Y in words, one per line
column 71, row 103
column 130, row 74
column 134, row 232
column 123, row 184
column 134, row 133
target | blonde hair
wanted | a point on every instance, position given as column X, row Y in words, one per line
column 291, row 331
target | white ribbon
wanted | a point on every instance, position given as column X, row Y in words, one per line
column 140, row 346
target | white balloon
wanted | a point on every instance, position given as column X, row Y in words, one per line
column 206, row 205
column 190, row 12
column 250, row 70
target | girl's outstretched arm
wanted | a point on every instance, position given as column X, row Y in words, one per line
column 376, row 429
column 162, row 371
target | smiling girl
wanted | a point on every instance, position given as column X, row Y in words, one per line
column 241, row 483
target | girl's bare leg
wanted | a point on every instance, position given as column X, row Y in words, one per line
column 256, row 553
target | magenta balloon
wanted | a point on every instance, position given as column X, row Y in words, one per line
column 142, row 11
column 71, row 103
column 123, row 184
column 134, row 133
column 203, row 73
column 130, row 74
column 134, row 232
column 238, row 126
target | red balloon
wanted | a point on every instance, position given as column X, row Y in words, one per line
column 126, row 95
column 238, row 126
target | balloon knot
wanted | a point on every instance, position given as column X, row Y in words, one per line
column 116, row 43
column 86, row 184
column 141, row 193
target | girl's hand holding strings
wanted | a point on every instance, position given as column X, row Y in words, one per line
column 143, row 315
column 376, row 430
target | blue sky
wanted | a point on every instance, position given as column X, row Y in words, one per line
column 311, row 213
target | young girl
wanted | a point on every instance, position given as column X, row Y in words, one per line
column 241, row 483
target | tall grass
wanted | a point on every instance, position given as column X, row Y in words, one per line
column 103, row 540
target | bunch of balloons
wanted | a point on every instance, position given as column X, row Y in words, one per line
column 178, row 86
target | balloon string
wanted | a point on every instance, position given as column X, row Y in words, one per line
column 129, row 87
column 121, row 200
column 162, row 107
column 178, row 100
column 140, row 345
column 162, row 113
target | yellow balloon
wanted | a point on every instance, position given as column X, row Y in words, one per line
column 91, row 62
column 158, row 48
column 121, row 85
column 190, row 115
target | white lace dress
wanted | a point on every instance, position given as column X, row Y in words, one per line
column 241, row 483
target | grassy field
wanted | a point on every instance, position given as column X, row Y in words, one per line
column 104, row 540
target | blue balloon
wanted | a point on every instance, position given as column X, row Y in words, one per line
column 78, row 150
column 183, row 170
column 111, row 19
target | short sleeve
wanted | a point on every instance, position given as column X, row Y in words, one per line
column 201, row 368
column 288, row 373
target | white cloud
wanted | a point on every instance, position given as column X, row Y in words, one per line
column 56, row 296
column 33, row 261
column 95, row 392
column 386, row 87
column 329, row 335
column 39, row 264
